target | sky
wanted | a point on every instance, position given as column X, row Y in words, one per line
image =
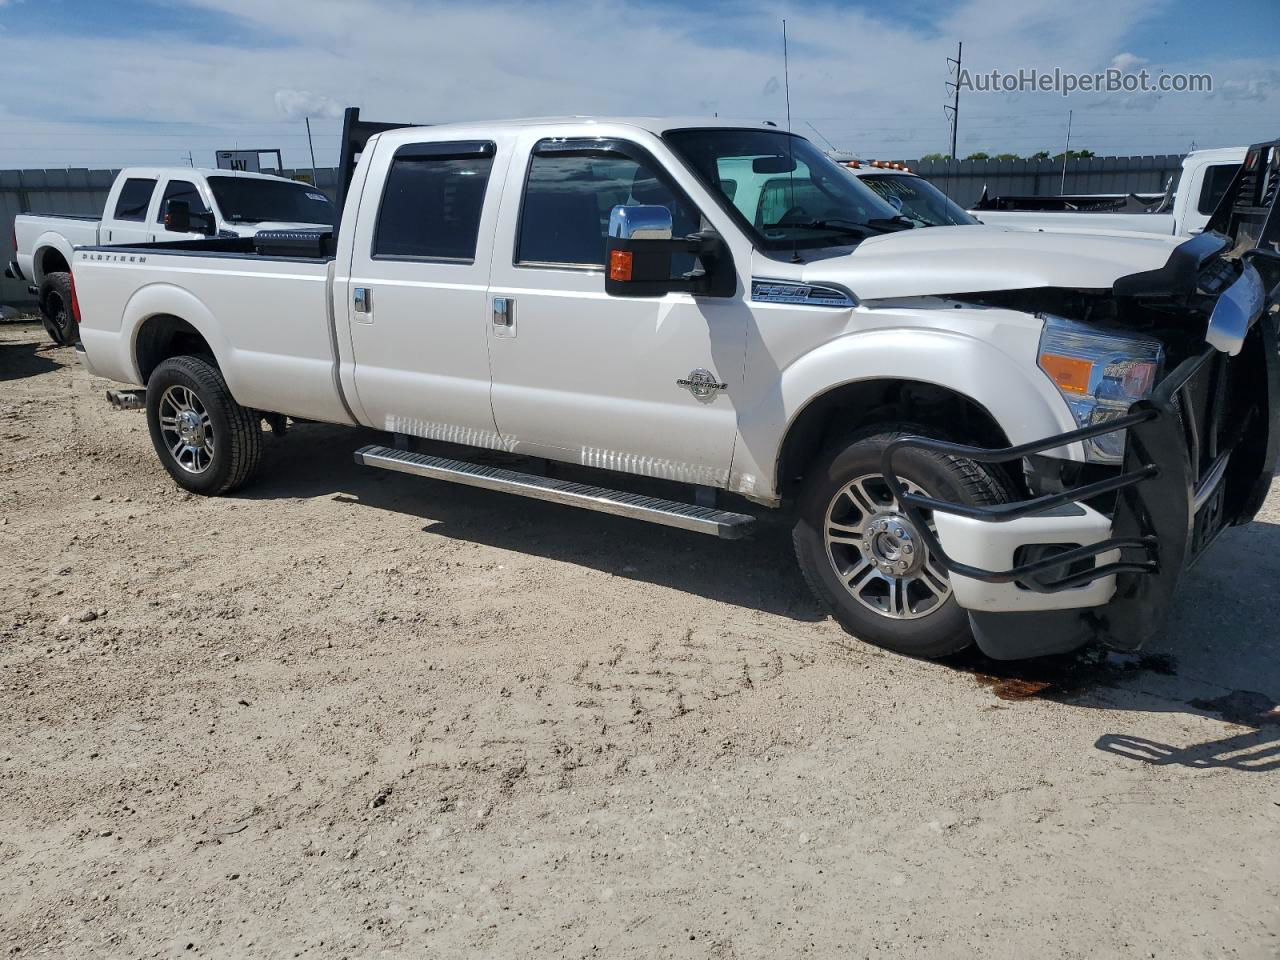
column 104, row 83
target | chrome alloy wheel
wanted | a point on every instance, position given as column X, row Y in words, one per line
column 877, row 552
column 186, row 429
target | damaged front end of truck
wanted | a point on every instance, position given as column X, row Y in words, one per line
column 1095, row 551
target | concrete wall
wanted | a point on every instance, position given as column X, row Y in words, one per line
column 963, row 180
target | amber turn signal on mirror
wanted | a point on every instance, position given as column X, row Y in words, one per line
column 620, row 263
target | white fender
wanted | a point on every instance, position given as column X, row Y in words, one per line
column 115, row 353
column 50, row 238
column 1024, row 402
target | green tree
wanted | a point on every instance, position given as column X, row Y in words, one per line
column 978, row 156
column 1007, row 156
column 1039, row 155
column 1075, row 155
column 935, row 156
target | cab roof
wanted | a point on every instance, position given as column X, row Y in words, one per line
column 655, row 125
column 160, row 172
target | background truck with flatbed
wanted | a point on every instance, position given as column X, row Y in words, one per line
column 1015, row 436
column 1183, row 210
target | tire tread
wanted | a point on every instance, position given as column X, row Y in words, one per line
column 245, row 429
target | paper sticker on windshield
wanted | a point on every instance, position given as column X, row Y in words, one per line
column 317, row 196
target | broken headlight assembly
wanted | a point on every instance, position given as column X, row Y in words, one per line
column 1099, row 376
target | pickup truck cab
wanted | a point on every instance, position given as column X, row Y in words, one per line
column 912, row 195
column 1015, row 436
column 217, row 202
column 1183, row 210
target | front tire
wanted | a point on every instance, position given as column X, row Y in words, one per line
column 863, row 558
column 209, row 443
column 56, row 309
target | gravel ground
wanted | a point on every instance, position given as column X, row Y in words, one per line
column 346, row 713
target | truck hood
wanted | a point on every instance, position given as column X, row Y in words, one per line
column 973, row 259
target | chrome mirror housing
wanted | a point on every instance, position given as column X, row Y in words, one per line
column 640, row 222
column 1237, row 307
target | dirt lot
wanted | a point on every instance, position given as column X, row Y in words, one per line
column 352, row 714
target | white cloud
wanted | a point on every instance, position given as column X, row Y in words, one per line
column 296, row 104
column 868, row 78
column 1128, row 62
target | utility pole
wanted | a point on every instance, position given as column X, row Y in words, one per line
column 191, row 160
column 954, row 109
column 315, row 181
column 1062, row 187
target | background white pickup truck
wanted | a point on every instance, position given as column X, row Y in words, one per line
column 219, row 202
column 912, row 195
column 1013, row 435
column 1182, row 211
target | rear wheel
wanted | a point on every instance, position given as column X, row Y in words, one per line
column 208, row 442
column 864, row 557
column 56, row 310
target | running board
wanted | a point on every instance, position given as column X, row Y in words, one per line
column 686, row 516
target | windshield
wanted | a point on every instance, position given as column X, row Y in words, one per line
column 918, row 200
column 783, row 190
column 250, row 200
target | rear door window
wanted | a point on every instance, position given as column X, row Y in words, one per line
column 135, row 197
column 432, row 202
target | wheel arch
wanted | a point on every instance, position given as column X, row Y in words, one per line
column 52, row 255
column 854, row 406
column 162, row 336
column 164, row 321
column 966, row 388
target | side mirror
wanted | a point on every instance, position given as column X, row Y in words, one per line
column 177, row 216
column 639, row 251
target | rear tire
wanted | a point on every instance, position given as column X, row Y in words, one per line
column 209, row 443
column 56, row 312
column 862, row 557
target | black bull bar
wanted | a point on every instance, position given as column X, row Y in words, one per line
column 1167, row 510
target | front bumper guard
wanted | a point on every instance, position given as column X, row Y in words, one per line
column 1162, row 519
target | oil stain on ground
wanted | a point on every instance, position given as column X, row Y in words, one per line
column 1066, row 675
column 1244, row 707
column 1069, row 675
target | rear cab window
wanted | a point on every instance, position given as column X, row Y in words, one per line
column 135, row 197
column 1216, row 180
column 432, row 202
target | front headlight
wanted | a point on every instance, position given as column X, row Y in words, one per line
column 1099, row 375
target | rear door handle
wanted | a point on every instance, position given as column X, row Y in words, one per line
column 362, row 301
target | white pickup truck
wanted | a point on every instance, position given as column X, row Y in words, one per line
column 914, row 197
column 1019, row 437
column 217, row 202
column 1183, row 210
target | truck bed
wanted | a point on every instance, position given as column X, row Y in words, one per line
column 272, row 336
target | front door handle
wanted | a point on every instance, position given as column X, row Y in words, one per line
column 362, row 300
column 504, row 312
column 504, row 317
